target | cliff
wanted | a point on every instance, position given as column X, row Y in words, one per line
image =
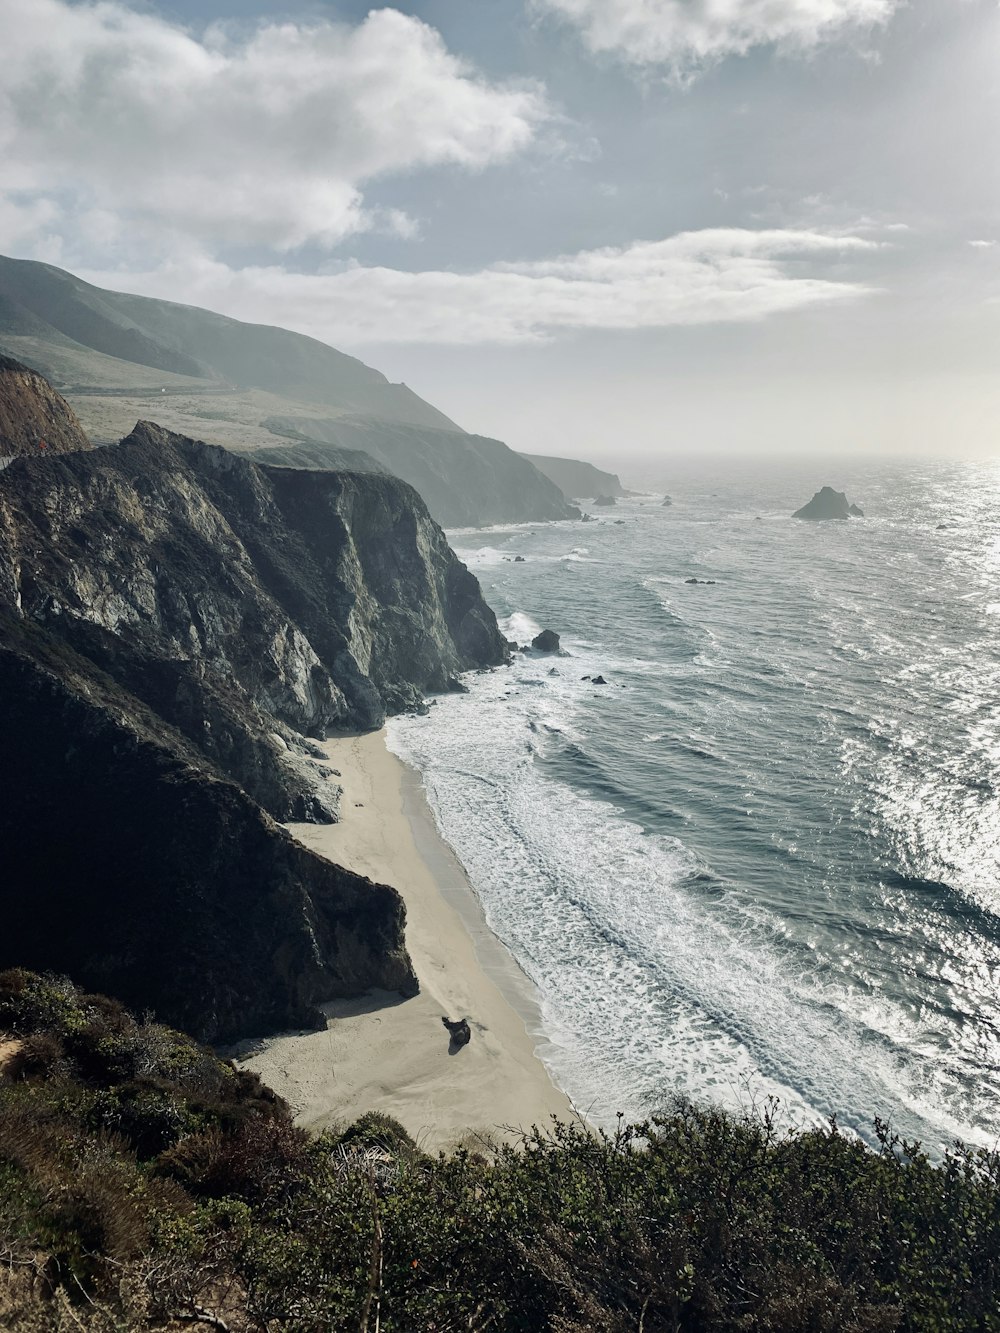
column 34, row 418
column 174, row 622
column 576, row 479
column 130, row 865
column 247, row 606
column 466, row 480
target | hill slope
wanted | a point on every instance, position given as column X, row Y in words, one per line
column 232, row 383
column 576, row 479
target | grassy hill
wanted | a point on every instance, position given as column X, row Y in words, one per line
column 118, row 358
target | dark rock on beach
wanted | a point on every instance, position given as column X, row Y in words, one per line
column 461, row 1033
column 828, row 504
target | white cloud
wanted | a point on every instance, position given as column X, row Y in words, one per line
column 703, row 277
column 264, row 138
column 685, row 34
column 982, row 245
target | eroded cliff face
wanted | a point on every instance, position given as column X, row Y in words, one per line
column 175, row 622
column 247, row 606
column 34, row 419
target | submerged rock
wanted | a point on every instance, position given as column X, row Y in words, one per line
column 828, row 504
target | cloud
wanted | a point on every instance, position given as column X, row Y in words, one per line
column 686, row 34
column 982, row 245
column 702, row 277
column 262, row 138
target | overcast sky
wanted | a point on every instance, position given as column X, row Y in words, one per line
column 590, row 227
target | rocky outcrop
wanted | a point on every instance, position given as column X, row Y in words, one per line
column 465, row 480
column 828, row 504
column 34, row 419
column 576, row 478
column 247, row 606
column 129, row 865
column 605, row 500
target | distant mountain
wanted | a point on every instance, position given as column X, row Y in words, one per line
column 465, row 480
column 577, row 480
column 113, row 355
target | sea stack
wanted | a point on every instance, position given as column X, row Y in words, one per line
column 828, row 504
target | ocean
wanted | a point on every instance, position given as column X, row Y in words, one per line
column 762, row 860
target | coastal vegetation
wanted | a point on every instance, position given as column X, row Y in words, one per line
column 147, row 1184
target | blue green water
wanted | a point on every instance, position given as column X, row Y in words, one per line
column 763, row 859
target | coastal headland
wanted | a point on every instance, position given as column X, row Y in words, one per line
column 383, row 1053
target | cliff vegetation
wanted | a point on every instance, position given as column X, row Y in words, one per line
column 146, row 1185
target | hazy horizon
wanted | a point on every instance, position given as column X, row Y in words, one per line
column 589, row 229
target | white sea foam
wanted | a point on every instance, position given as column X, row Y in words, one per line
column 646, row 990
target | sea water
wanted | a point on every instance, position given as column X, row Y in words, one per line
column 762, row 860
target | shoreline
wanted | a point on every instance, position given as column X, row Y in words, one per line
column 380, row 1052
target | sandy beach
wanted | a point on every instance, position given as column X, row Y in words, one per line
column 383, row 1053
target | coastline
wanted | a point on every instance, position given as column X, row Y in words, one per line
column 380, row 1052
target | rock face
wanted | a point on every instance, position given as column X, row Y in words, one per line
column 828, row 504
column 576, row 478
column 34, row 419
column 173, row 621
column 240, row 602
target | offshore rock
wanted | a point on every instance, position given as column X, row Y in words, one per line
column 605, row 500
column 828, row 504
column 34, row 419
column 546, row 642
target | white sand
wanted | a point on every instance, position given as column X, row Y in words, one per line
column 387, row 1054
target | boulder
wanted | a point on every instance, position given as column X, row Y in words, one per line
column 461, row 1033
column 604, row 500
column 598, row 680
column 546, row 642
column 828, row 504
column 666, row 502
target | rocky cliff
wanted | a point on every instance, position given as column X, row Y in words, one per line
column 175, row 622
column 34, row 419
column 129, row 864
column 247, row 606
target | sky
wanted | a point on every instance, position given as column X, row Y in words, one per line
column 596, row 228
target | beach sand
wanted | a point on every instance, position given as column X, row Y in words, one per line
column 381, row 1052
